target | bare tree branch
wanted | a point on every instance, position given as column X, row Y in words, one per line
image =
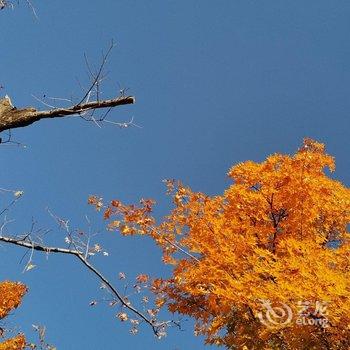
column 10, row 4
column 11, row 118
column 156, row 327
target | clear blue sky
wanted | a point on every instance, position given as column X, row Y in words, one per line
column 216, row 83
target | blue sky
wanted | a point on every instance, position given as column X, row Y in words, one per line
column 216, row 83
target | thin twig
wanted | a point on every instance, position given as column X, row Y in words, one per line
column 97, row 77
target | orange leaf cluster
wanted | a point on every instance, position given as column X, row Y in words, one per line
column 278, row 233
column 11, row 294
column 17, row 343
column 136, row 220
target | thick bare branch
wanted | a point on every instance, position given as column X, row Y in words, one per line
column 11, row 117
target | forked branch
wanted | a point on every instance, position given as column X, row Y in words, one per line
column 89, row 103
column 156, row 327
column 11, row 117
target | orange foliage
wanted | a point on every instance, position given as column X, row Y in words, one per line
column 17, row 343
column 11, row 294
column 277, row 237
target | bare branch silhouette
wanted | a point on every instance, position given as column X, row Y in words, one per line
column 157, row 327
column 12, row 117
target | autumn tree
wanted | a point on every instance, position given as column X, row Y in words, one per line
column 246, row 264
column 265, row 265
